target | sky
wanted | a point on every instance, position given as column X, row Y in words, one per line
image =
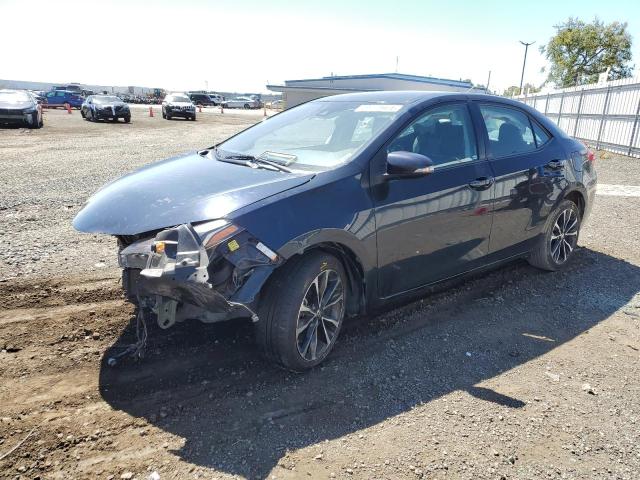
column 243, row 45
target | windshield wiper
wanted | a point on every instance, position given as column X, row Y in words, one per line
column 264, row 161
column 255, row 162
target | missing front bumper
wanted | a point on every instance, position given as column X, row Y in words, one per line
column 185, row 280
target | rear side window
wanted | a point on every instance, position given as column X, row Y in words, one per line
column 540, row 135
column 509, row 131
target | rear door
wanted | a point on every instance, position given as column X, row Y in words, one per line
column 438, row 225
column 528, row 164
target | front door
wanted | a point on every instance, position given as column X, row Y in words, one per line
column 436, row 226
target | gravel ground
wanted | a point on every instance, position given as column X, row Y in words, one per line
column 48, row 174
column 514, row 374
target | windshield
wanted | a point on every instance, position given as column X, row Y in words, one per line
column 14, row 96
column 177, row 98
column 106, row 99
column 318, row 135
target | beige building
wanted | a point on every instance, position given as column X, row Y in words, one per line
column 295, row 92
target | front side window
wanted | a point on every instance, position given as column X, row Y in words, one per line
column 317, row 135
column 509, row 131
column 444, row 134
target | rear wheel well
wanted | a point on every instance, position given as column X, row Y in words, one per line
column 577, row 198
column 355, row 273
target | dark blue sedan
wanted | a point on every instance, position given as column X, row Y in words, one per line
column 340, row 205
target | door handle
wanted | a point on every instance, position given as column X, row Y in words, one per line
column 481, row 183
column 555, row 164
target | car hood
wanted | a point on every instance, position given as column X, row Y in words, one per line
column 187, row 188
column 180, row 104
column 111, row 104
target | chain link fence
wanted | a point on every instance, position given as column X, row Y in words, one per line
column 605, row 116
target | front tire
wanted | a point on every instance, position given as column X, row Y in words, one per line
column 302, row 311
column 560, row 239
column 35, row 121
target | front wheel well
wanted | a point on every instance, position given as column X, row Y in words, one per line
column 577, row 198
column 356, row 304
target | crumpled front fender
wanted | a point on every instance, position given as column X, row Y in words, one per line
column 179, row 270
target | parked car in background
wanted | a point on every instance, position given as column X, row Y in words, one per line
column 277, row 105
column 430, row 186
column 201, row 99
column 72, row 87
column 105, row 107
column 241, row 102
column 216, row 99
column 39, row 96
column 58, row 98
column 19, row 107
column 178, row 105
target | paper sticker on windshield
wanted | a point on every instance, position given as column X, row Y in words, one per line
column 378, row 108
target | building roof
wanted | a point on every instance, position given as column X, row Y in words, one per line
column 393, row 76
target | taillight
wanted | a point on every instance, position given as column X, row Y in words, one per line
column 591, row 156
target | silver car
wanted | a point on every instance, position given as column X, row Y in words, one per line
column 241, row 102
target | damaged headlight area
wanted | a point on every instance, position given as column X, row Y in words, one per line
column 211, row 271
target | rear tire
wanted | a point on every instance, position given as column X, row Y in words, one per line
column 302, row 310
column 127, row 119
column 559, row 239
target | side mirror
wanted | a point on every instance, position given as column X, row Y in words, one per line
column 407, row 165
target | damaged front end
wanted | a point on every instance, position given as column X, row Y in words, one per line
column 211, row 271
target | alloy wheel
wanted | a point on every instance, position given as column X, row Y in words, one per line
column 320, row 315
column 564, row 235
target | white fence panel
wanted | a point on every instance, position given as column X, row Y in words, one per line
column 605, row 116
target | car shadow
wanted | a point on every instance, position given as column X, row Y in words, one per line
column 237, row 413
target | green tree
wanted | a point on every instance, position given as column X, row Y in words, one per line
column 512, row 91
column 580, row 51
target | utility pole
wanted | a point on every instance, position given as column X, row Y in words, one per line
column 524, row 63
column 488, row 81
column 396, row 64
